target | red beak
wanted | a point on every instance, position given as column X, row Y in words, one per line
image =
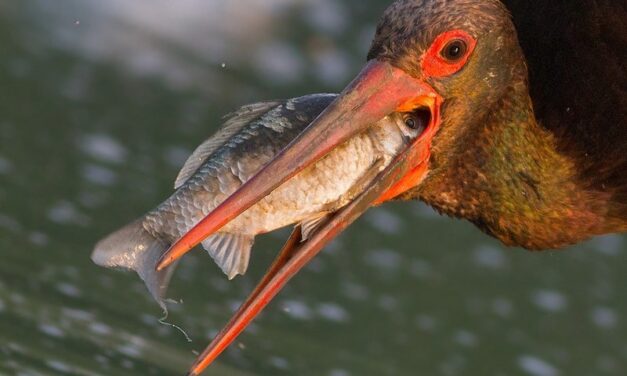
column 379, row 90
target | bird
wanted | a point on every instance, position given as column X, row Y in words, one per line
column 522, row 107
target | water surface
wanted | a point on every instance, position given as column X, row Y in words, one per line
column 101, row 102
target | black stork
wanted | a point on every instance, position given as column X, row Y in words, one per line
column 521, row 123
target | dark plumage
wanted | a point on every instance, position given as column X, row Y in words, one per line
column 577, row 57
column 540, row 172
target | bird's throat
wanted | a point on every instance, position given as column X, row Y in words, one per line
column 508, row 176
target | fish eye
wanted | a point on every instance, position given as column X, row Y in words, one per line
column 454, row 50
column 410, row 122
column 417, row 120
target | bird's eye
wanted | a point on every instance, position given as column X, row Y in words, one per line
column 448, row 54
column 454, row 50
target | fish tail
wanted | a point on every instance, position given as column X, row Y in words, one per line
column 134, row 248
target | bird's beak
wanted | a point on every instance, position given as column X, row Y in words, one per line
column 379, row 90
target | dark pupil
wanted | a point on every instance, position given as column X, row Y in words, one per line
column 419, row 119
column 454, row 50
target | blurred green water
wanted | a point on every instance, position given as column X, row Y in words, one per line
column 99, row 105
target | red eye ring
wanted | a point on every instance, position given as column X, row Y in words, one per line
column 439, row 61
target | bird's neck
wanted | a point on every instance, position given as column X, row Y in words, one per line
column 508, row 177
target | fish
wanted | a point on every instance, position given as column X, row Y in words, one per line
column 250, row 138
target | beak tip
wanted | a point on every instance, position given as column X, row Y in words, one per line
column 162, row 264
column 377, row 92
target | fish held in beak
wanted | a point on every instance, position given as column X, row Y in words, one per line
column 296, row 254
column 379, row 90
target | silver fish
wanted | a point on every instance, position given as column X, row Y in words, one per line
column 249, row 139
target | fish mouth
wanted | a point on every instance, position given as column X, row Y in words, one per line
column 378, row 91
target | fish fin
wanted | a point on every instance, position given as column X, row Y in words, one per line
column 230, row 251
column 134, row 248
column 310, row 225
column 233, row 124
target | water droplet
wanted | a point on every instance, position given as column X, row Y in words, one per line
column 9, row 223
column 610, row 245
column 490, row 257
column 103, row 147
column 64, row 212
column 280, row 363
column 426, row 323
column 384, row 259
column 502, row 307
column 327, row 16
column 385, row 221
column 549, row 300
column 339, row 372
column 354, row 291
column 59, row 366
column 5, row 166
column 604, row 317
column 332, row 312
column 536, row 367
column 98, row 175
column 297, row 309
column 465, row 338
column 68, row 289
column 38, row 238
column 279, row 63
column 51, row 330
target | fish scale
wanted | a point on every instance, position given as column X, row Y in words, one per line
column 315, row 189
column 250, row 138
